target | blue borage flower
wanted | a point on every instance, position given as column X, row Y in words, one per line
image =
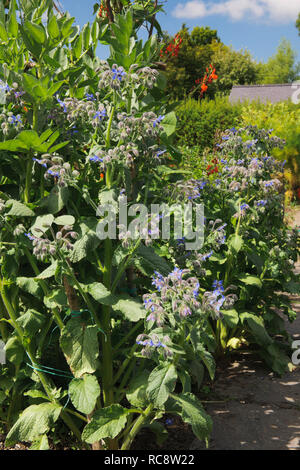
column 196, row 291
column 218, row 286
column 53, row 173
column 176, row 274
column 160, row 153
column 158, row 120
column 180, row 241
column 218, row 298
column 4, row 86
column 152, row 344
column 16, row 119
column 100, row 115
column 95, row 159
column 18, row 94
column 90, row 97
column 202, row 184
column 72, row 131
column 207, row 255
column 118, row 73
column 62, row 104
column 169, row 422
column 262, row 202
column 28, row 235
column 158, row 281
column 40, row 162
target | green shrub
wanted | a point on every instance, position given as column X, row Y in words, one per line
column 198, row 121
column 284, row 119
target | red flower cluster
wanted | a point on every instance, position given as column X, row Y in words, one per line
column 173, row 48
column 208, row 78
column 211, row 169
column 103, row 9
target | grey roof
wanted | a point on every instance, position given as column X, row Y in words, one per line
column 264, row 93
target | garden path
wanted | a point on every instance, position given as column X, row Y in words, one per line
column 260, row 411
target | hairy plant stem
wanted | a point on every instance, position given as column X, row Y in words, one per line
column 137, row 425
column 29, row 351
column 44, row 286
column 29, row 164
column 28, row 179
column 107, row 378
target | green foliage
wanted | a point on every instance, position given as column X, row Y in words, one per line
column 281, row 67
column 107, row 422
column 84, row 392
column 80, row 136
column 200, row 48
column 284, row 119
column 80, row 346
column 298, row 24
column 194, row 55
column 198, row 121
column 233, row 68
column 33, row 423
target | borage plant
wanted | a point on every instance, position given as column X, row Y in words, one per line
column 78, row 134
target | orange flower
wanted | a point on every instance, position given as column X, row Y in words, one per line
column 101, row 176
column 204, row 87
column 25, row 109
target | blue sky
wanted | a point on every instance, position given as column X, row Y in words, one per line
column 257, row 25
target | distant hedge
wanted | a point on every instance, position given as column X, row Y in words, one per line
column 198, row 121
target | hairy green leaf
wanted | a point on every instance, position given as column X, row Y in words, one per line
column 84, row 392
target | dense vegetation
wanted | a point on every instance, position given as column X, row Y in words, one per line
column 106, row 335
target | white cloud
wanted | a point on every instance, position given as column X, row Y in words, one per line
column 281, row 11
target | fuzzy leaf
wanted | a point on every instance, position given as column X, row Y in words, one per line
column 31, row 321
column 131, row 309
column 169, row 123
column 251, row 280
column 28, row 284
column 193, row 413
column 107, row 422
column 235, row 242
column 57, row 298
column 35, row 421
column 148, row 261
column 231, row 317
column 79, row 343
column 48, row 272
column 136, row 394
column 100, row 293
column 40, row 444
column 257, row 327
column 161, row 382
column 87, row 241
column 14, row 350
column 56, row 199
column 84, row 393
column 65, row 220
column 18, row 209
column 42, row 222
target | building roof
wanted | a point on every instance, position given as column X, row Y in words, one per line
column 264, row 93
